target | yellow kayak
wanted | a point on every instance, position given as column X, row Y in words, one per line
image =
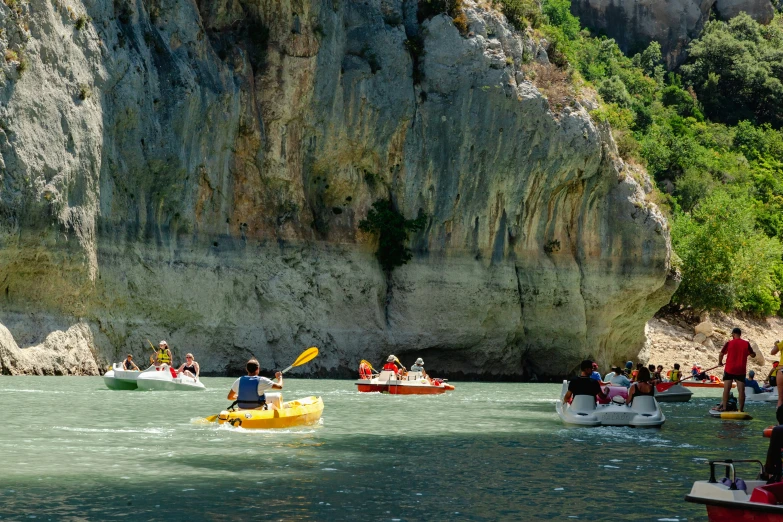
column 302, row 412
column 730, row 415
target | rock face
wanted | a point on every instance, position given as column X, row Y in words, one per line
column 672, row 23
column 196, row 172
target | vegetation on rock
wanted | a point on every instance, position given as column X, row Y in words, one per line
column 710, row 136
column 392, row 229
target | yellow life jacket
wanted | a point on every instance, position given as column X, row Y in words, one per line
column 163, row 357
column 774, row 372
column 779, row 346
column 675, row 375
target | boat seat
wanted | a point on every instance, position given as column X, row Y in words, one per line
column 583, row 403
column 644, row 403
column 274, row 401
column 769, row 494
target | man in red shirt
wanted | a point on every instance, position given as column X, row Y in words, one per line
column 736, row 351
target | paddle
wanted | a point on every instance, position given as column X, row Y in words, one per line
column 305, row 357
column 662, row 387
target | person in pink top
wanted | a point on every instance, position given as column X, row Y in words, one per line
column 736, row 352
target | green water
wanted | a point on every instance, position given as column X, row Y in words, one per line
column 70, row 449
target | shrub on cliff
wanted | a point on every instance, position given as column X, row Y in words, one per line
column 392, row 229
column 728, row 263
column 736, row 69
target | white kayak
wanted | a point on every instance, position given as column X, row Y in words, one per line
column 644, row 411
column 118, row 378
column 676, row 393
column 167, row 379
column 770, row 396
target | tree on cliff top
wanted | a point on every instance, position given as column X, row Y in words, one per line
column 736, row 69
column 392, row 229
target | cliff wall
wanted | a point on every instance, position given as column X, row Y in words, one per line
column 196, row 171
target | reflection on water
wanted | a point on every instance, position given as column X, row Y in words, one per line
column 71, row 449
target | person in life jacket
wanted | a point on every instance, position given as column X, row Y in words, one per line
column 163, row 355
column 128, row 363
column 248, row 390
column 778, row 349
column 772, row 378
column 675, row 375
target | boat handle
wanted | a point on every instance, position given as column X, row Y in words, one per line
column 729, row 465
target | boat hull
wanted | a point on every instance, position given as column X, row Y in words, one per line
column 706, row 384
column 114, row 383
column 399, row 389
column 727, row 514
column 676, row 393
column 302, row 412
column 163, row 381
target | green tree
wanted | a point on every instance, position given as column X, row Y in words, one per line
column 392, row 229
column 727, row 263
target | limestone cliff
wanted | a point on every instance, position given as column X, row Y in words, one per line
column 672, row 23
column 196, row 171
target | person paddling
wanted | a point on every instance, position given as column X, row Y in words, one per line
column 736, row 351
column 163, row 355
column 128, row 363
column 248, row 390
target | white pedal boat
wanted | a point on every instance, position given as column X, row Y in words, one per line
column 164, row 379
column 644, row 412
column 676, row 393
column 118, row 378
column 770, row 396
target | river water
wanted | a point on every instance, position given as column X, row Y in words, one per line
column 70, row 449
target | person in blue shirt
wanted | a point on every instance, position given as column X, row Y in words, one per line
column 249, row 390
column 750, row 382
column 596, row 376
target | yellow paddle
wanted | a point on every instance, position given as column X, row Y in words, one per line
column 305, row 357
column 365, row 361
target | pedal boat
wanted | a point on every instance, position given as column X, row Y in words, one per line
column 732, row 500
column 644, row 411
column 118, row 378
column 413, row 383
column 676, row 393
column 301, row 412
column 770, row 396
column 165, row 378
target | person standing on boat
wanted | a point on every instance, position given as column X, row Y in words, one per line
column 249, row 389
column 163, row 355
column 736, row 351
column 128, row 363
column 584, row 384
column 190, row 367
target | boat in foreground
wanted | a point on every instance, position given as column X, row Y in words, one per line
column 644, row 411
column 167, row 379
column 413, row 383
column 118, row 378
column 301, row 412
column 735, row 500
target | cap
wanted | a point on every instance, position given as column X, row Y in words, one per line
column 390, row 358
column 420, row 361
column 751, row 373
column 164, row 343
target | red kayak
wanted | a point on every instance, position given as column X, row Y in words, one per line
column 706, row 384
column 732, row 499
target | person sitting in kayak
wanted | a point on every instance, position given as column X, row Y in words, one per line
column 751, row 382
column 584, row 384
column 736, row 351
column 189, row 367
column 248, row 390
column 391, row 365
column 642, row 386
column 163, row 355
column 418, row 366
column 128, row 363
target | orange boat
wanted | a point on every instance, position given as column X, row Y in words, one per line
column 412, row 383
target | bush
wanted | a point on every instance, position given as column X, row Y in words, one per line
column 682, row 101
column 613, row 91
column 728, row 263
column 392, row 229
column 521, row 13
